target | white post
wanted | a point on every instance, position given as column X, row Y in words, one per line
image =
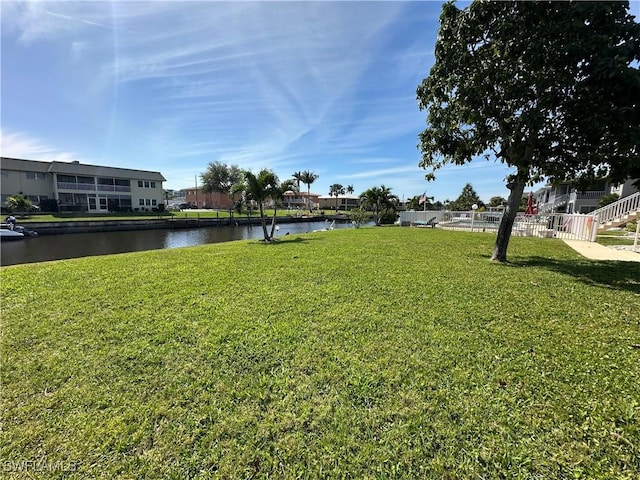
column 635, row 240
column 474, row 207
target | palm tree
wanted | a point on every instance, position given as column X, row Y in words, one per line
column 378, row 199
column 297, row 176
column 308, row 178
column 350, row 189
column 336, row 190
column 262, row 187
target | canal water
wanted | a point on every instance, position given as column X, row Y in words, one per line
column 58, row 247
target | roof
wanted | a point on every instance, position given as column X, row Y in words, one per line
column 77, row 168
column 352, row 197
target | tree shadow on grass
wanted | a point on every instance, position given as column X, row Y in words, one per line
column 611, row 274
column 286, row 240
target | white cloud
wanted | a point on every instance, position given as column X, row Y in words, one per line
column 21, row 145
column 37, row 20
column 383, row 173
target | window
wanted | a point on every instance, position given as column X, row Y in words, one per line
column 36, row 176
column 154, row 202
column 148, row 201
column 80, row 199
column 122, row 182
column 146, row 184
column 141, row 202
column 105, row 181
column 67, row 178
column 66, row 197
column 86, row 180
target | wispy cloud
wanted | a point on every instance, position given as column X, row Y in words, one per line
column 21, row 145
column 37, row 20
column 383, row 172
column 171, row 85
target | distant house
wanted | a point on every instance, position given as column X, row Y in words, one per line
column 343, row 202
column 212, row 200
column 564, row 197
column 300, row 200
column 75, row 186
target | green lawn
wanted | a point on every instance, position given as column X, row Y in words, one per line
column 614, row 240
column 369, row 353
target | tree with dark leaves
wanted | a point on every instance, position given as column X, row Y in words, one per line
column 548, row 88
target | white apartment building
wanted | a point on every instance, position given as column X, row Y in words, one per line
column 81, row 187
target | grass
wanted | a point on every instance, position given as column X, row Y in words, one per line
column 370, row 353
column 613, row 240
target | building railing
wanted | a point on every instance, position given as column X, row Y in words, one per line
column 554, row 202
column 592, row 195
column 76, row 186
column 618, row 209
column 113, row 188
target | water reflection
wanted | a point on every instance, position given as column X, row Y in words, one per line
column 58, row 247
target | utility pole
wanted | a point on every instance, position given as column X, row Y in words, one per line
column 196, row 177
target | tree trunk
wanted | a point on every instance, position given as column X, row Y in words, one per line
column 273, row 221
column 506, row 224
column 264, row 223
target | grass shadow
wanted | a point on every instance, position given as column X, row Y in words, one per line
column 611, row 274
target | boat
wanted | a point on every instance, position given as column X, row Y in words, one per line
column 25, row 231
column 8, row 234
column 18, row 232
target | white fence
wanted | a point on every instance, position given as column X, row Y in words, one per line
column 618, row 209
column 558, row 225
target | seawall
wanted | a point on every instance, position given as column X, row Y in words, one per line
column 88, row 226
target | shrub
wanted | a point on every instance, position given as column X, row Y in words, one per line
column 388, row 216
column 359, row 217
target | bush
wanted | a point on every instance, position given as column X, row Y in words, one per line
column 359, row 217
column 608, row 199
column 631, row 226
column 388, row 216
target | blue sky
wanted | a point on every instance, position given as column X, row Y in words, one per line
column 170, row 86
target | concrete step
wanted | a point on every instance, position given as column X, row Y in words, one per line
column 616, row 222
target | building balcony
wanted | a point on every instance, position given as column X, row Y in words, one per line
column 113, row 188
column 592, row 195
column 76, row 186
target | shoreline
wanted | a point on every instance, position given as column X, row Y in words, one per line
column 97, row 226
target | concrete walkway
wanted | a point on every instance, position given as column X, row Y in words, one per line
column 595, row 251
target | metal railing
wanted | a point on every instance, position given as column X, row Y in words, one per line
column 568, row 226
column 113, row 188
column 590, row 195
column 556, row 225
column 617, row 210
column 554, row 202
column 76, row 186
